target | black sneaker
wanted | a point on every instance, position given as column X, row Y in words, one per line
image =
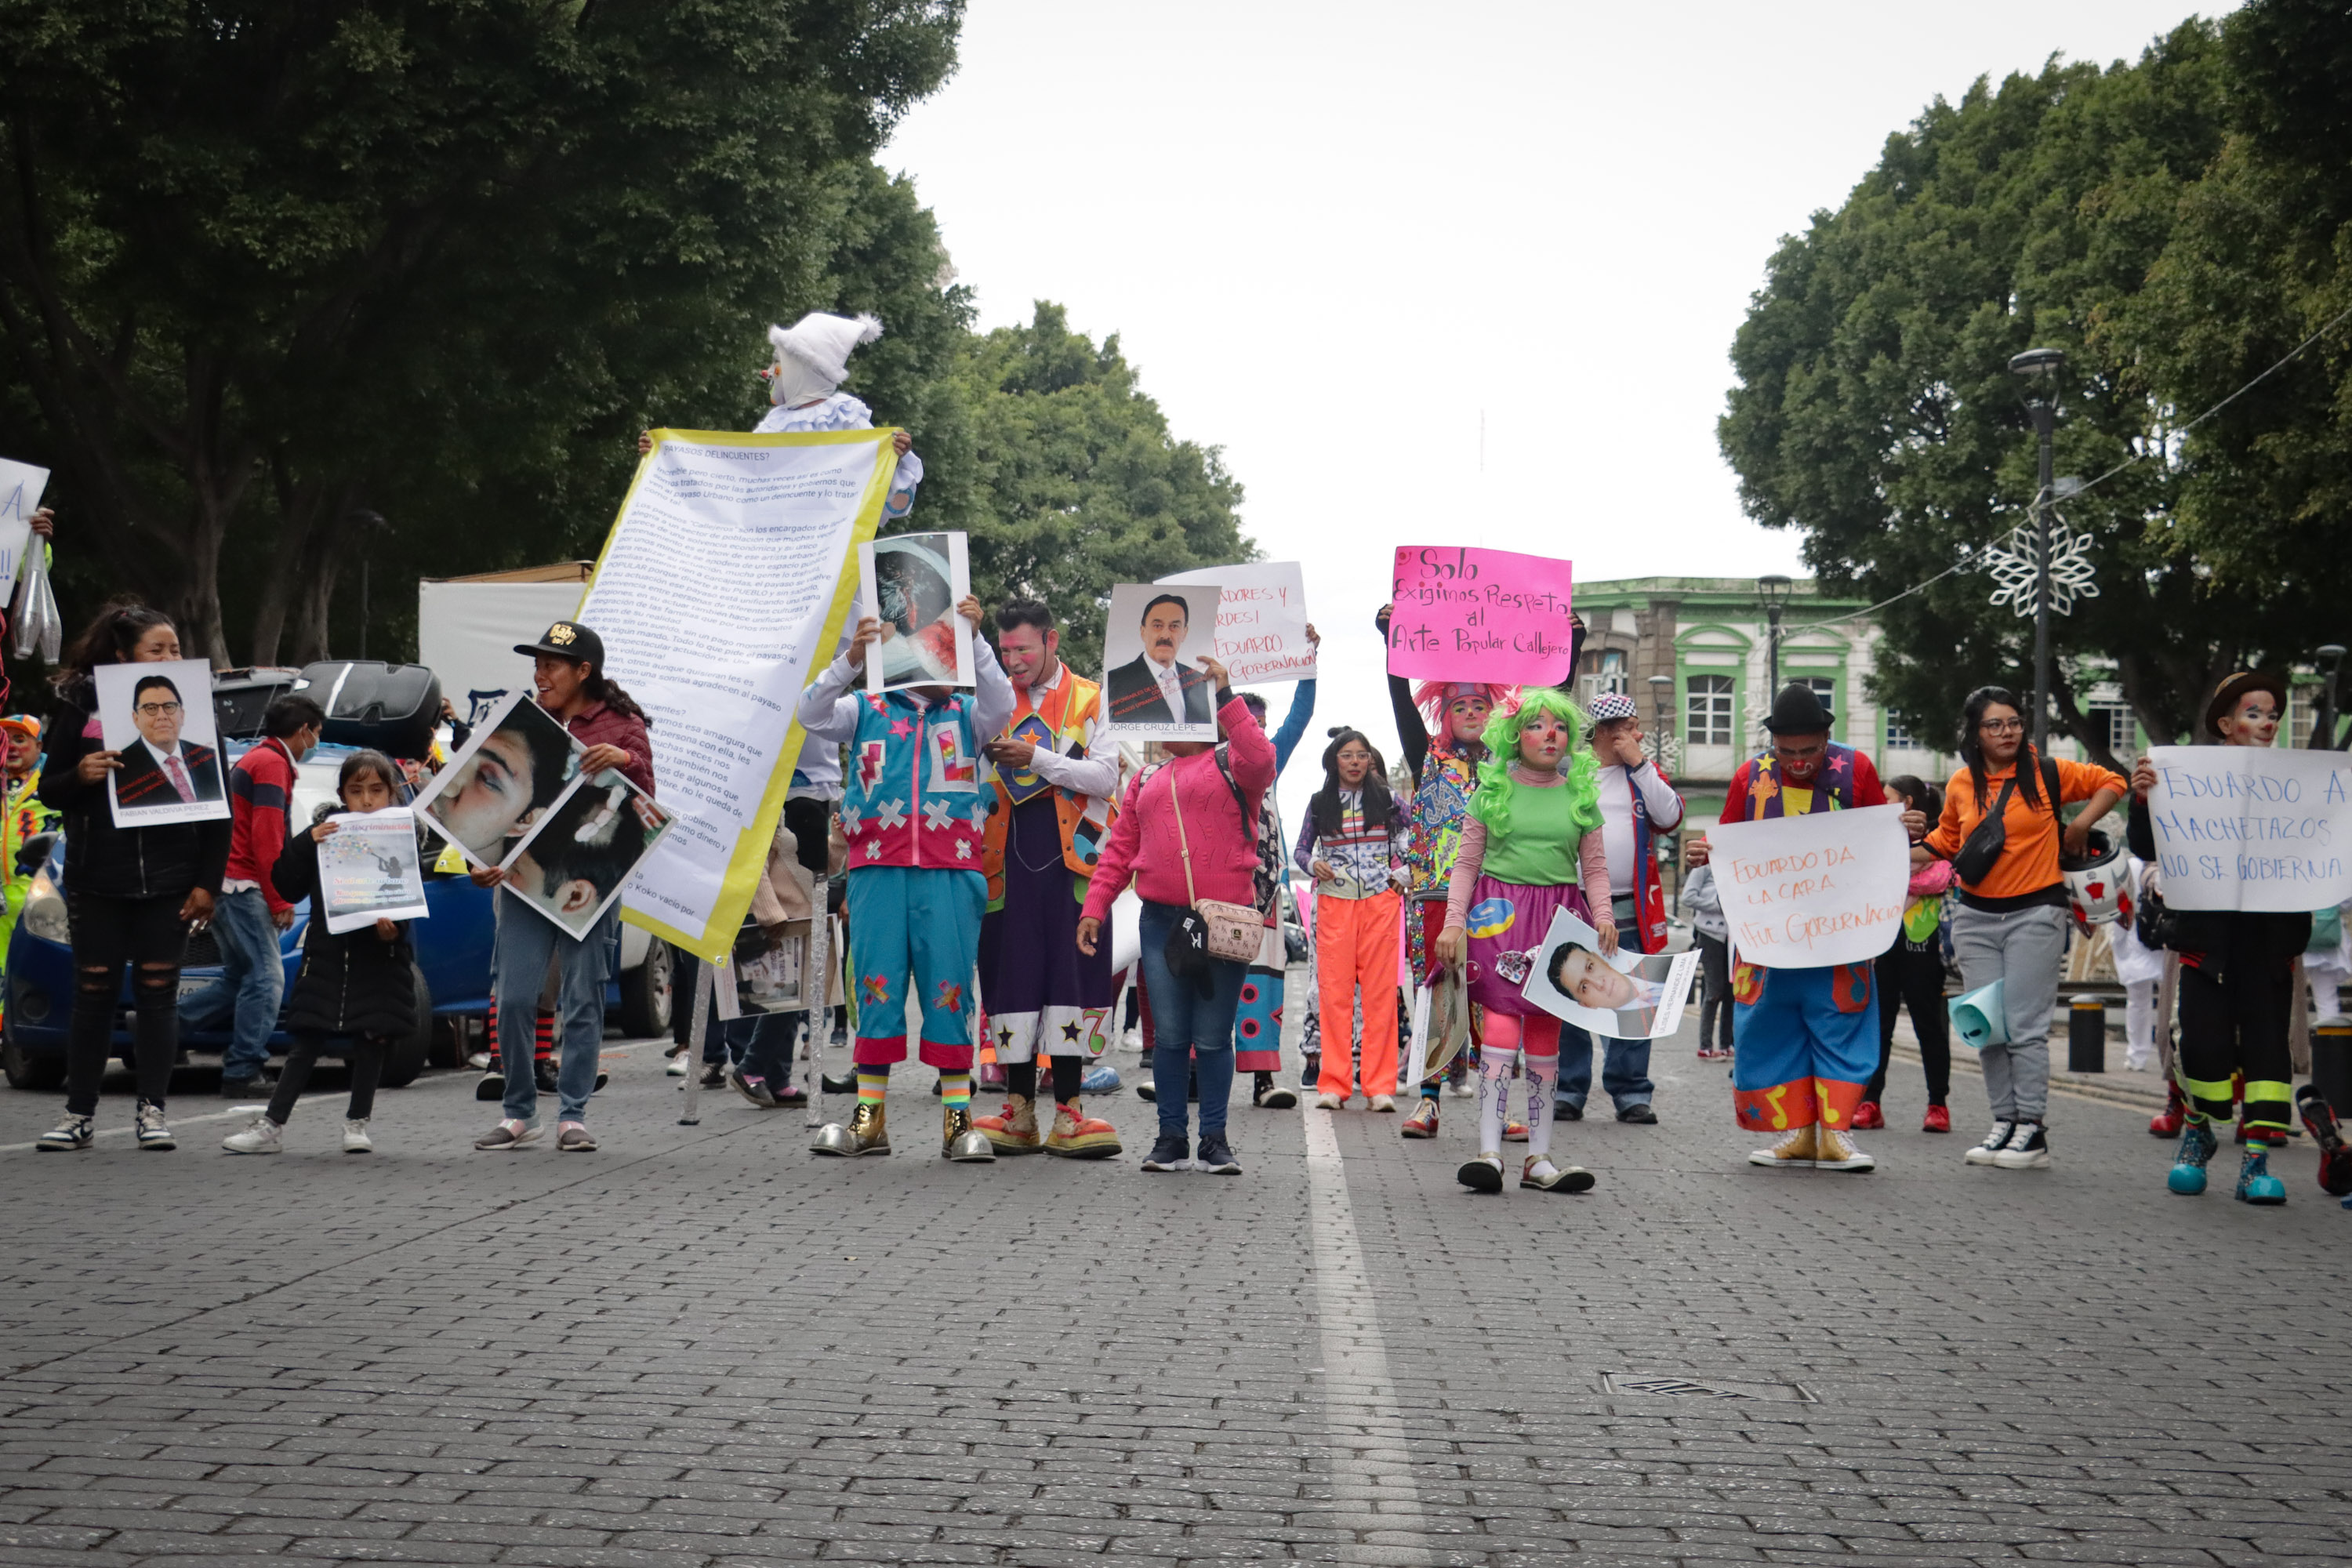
column 840, row 1083
column 715, row 1075
column 492, row 1087
column 754, row 1090
column 1171, row 1153
column 1561, row 1110
column 1639, row 1115
column 543, row 1074
column 1217, row 1157
column 1147, row 1089
column 1268, row 1095
column 244, row 1088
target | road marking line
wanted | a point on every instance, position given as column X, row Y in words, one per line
column 1371, row 1461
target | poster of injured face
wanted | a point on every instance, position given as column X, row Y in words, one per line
column 574, row 863
column 369, row 869
column 157, row 719
column 505, row 777
column 1631, row 996
column 913, row 583
column 1152, row 647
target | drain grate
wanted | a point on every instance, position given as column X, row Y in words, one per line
column 1664, row 1387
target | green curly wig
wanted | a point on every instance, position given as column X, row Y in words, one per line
column 1491, row 801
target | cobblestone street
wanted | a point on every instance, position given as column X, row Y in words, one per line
column 703, row 1347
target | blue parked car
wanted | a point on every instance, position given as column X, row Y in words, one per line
column 453, row 966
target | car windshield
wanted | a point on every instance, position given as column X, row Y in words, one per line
column 314, row 786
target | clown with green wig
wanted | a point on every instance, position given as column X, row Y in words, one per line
column 1531, row 846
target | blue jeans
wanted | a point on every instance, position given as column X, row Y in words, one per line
column 1625, row 1070
column 527, row 943
column 1190, row 1033
column 252, row 982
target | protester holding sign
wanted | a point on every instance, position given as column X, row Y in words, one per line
column 360, row 982
column 2237, row 974
column 1807, row 1034
column 1530, row 847
column 132, row 891
column 915, row 821
column 567, row 673
column 1911, row 973
column 1053, row 772
column 2009, row 925
column 1440, row 724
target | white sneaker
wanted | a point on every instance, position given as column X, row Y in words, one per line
column 1329, row 1102
column 262, row 1136
column 2028, row 1149
column 355, row 1138
column 479, row 1060
column 676, row 1068
column 1995, row 1142
column 1383, row 1103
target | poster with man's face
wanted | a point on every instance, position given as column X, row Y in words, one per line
column 1153, row 686
column 1628, row 995
column 913, row 583
column 158, row 720
column 507, row 774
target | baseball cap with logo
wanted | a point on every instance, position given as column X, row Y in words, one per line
column 568, row 639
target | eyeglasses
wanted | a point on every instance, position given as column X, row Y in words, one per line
column 2004, row 726
column 159, row 709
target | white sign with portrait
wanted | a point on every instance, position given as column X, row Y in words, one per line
column 1153, row 686
column 158, row 720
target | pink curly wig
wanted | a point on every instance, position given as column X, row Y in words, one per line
column 1432, row 695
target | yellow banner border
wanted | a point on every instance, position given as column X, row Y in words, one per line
column 750, row 859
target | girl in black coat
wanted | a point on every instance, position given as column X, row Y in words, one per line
column 357, row 982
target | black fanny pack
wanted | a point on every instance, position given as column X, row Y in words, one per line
column 1982, row 852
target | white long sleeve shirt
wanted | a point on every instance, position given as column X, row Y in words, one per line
column 839, row 411
column 828, row 709
column 1094, row 774
column 1617, row 791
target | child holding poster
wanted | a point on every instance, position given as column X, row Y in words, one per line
column 1530, row 847
column 359, row 982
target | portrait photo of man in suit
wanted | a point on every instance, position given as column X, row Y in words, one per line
column 159, row 768
column 1157, row 687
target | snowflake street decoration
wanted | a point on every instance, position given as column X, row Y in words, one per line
column 1665, row 751
column 2014, row 569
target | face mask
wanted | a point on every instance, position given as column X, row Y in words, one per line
column 795, row 383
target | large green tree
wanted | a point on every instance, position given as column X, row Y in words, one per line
column 1074, row 480
column 1873, row 410
column 265, row 266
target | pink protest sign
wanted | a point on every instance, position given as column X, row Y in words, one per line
column 1479, row 615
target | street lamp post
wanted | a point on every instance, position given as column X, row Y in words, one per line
column 2323, row 731
column 1775, row 590
column 2040, row 367
column 372, row 527
column 1661, row 699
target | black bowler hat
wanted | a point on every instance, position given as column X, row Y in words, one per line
column 568, row 639
column 1798, row 710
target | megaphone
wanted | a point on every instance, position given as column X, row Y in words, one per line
column 1979, row 1019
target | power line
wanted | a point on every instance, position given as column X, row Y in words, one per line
column 2326, row 327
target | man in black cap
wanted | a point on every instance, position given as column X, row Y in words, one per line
column 1806, row 1040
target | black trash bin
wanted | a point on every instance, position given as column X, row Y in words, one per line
column 2087, row 1035
column 2331, row 1065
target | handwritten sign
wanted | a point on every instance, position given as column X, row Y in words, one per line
column 2248, row 828
column 1479, row 615
column 1261, row 620
column 1803, row 893
column 21, row 485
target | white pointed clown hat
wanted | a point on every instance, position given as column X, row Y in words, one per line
column 823, row 343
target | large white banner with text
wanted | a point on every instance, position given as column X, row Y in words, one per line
column 2250, row 827
column 722, row 583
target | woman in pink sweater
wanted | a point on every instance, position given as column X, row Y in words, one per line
column 1217, row 789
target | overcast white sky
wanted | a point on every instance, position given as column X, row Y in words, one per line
column 1334, row 237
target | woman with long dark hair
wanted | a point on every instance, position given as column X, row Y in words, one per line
column 1353, row 845
column 2011, row 920
column 131, row 893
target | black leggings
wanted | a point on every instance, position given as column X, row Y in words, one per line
column 363, row 1055
column 1715, row 991
column 1020, row 1078
column 2238, row 1023
column 107, row 934
column 1917, row 981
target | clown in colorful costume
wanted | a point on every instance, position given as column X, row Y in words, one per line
column 1438, row 723
column 1531, row 848
column 22, row 817
column 1052, row 775
column 914, row 815
column 1806, row 1039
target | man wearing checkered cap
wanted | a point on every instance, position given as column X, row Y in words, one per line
column 1637, row 805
